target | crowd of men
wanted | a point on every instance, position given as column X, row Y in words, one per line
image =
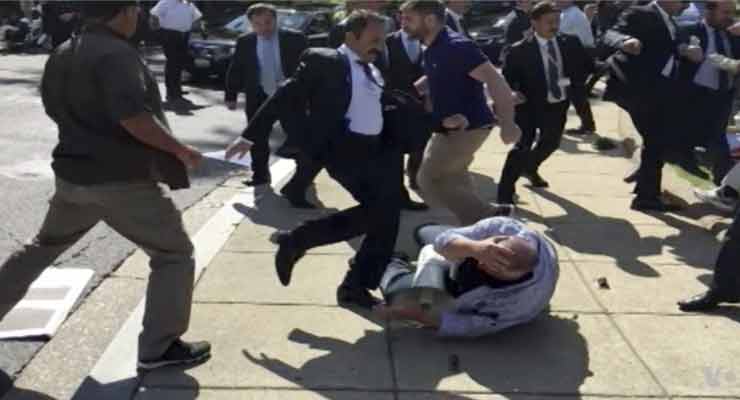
column 425, row 90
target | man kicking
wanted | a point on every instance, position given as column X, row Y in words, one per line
column 473, row 281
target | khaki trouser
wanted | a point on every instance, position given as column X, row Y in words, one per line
column 444, row 178
column 143, row 213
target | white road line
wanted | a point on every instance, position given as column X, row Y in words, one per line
column 116, row 369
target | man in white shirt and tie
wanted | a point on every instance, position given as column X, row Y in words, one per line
column 175, row 19
column 710, row 89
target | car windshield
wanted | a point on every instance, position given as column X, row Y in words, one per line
column 286, row 19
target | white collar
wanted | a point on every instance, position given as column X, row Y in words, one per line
column 709, row 28
column 542, row 41
column 353, row 57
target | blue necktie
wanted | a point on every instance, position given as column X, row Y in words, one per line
column 552, row 71
column 269, row 67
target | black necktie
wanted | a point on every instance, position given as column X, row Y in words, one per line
column 552, row 71
column 719, row 44
column 369, row 73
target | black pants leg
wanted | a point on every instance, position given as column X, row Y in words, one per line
column 306, row 172
column 552, row 123
column 579, row 99
column 377, row 216
column 516, row 160
column 412, row 166
column 727, row 269
column 260, row 151
column 716, row 142
column 175, row 49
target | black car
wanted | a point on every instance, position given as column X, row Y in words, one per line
column 485, row 20
column 211, row 53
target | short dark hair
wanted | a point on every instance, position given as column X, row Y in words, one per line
column 543, row 8
column 105, row 10
column 358, row 20
column 426, row 7
column 261, row 8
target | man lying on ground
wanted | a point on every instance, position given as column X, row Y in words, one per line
column 473, row 281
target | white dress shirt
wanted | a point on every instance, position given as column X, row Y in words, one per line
column 176, row 15
column 413, row 47
column 574, row 22
column 365, row 113
column 546, row 59
column 708, row 74
column 670, row 65
column 271, row 67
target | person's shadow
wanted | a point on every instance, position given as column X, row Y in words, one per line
column 131, row 388
column 524, row 358
column 9, row 391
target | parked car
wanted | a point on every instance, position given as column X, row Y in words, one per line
column 486, row 20
column 212, row 51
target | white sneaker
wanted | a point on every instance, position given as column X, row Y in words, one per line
column 715, row 198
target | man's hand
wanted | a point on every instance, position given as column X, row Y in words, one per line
column 725, row 63
column 510, row 132
column 456, row 122
column 240, row 147
column 231, row 105
column 694, row 54
column 734, row 29
column 492, row 255
column 590, row 10
column 422, row 86
column 632, row 46
column 519, row 98
column 189, row 156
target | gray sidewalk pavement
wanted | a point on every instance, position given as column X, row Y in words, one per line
column 628, row 341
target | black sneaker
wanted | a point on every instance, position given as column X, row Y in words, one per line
column 179, row 353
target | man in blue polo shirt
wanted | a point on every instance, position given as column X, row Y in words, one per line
column 455, row 73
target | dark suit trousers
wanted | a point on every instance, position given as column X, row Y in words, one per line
column 727, row 268
column 549, row 120
column 653, row 112
column 260, row 151
column 707, row 115
column 370, row 173
column 175, row 46
column 579, row 99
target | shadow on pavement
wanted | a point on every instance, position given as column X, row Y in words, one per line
column 6, row 387
column 528, row 356
column 131, row 388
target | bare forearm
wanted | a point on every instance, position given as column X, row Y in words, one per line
column 147, row 130
column 503, row 101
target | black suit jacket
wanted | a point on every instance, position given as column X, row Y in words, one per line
column 517, row 22
column 450, row 22
column 687, row 69
column 524, row 68
column 399, row 70
column 243, row 74
column 313, row 103
column 646, row 24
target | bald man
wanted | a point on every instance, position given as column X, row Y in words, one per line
column 488, row 277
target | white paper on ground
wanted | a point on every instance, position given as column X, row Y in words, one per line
column 46, row 305
column 221, row 156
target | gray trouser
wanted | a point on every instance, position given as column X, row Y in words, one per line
column 143, row 213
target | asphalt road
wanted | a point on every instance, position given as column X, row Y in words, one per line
column 27, row 137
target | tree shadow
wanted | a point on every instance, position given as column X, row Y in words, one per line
column 515, row 362
column 9, row 391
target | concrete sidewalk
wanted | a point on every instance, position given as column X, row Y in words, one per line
column 629, row 340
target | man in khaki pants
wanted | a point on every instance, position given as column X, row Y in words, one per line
column 456, row 70
column 115, row 151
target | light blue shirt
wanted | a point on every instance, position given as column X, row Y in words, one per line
column 485, row 310
column 708, row 75
column 271, row 67
column 574, row 22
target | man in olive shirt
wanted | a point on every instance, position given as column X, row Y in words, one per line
column 115, row 148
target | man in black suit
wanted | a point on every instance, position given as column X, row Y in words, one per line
column 403, row 67
column 517, row 22
column 541, row 69
column 711, row 89
column 59, row 20
column 455, row 16
column 332, row 105
column 644, row 84
column 263, row 59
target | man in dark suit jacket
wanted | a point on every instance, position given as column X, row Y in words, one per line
column 541, row 69
column 644, row 84
column 332, row 106
column 455, row 16
column 402, row 68
column 712, row 90
column 517, row 22
column 257, row 70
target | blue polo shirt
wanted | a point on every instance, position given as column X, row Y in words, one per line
column 448, row 62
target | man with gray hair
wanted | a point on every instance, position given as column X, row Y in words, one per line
column 473, row 281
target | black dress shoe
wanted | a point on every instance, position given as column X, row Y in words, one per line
column 287, row 151
column 411, row 205
column 653, row 205
column 536, row 180
column 704, row 302
column 632, row 177
column 297, row 200
column 259, row 181
column 356, row 297
column 580, row 131
column 287, row 256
